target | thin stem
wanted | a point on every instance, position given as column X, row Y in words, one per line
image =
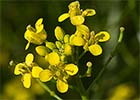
column 52, row 93
column 79, row 83
column 100, row 73
column 82, row 54
column 81, row 89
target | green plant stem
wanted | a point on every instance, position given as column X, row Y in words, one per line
column 52, row 93
column 81, row 88
column 78, row 81
column 82, row 54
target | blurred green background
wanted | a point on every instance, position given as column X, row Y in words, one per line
column 121, row 78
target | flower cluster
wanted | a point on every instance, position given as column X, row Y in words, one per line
column 58, row 55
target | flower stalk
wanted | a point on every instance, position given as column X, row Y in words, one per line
column 52, row 93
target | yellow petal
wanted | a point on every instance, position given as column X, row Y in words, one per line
column 53, row 58
column 58, row 44
column 39, row 28
column 39, row 21
column 38, row 25
column 45, row 75
column 71, row 69
column 59, row 33
column 33, row 37
column 66, row 38
column 62, row 17
column 67, row 49
column 103, row 36
column 77, row 20
column 46, row 57
column 27, row 45
column 88, row 12
column 27, row 80
column 50, row 45
column 62, row 57
column 74, row 5
column 28, row 34
column 29, row 59
column 41, row 50
column 77, row 41
column 84, row 30
column 62, row 87
column 36, row 71
column 17, row 69
column 95, row 49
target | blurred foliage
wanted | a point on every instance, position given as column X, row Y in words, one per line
column 121, row 75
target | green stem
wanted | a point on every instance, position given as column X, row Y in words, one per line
column 82, row 54
column 109, row 59
column 81, row 89
column 79, row 83
column 52, row 93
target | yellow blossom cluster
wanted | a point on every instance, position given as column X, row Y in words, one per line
column 57, row 54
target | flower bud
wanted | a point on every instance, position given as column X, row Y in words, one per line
column 58, row 44
column 62, row 17
column 66, row 38
column 41, row 50
column 59, row 33
column 89, row 70
column 67, row 49
column 50, row 45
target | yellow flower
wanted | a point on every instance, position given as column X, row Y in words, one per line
column 59, row 72
column 92, row 44
column 25, row 70
column 20, row 68
column 37, row 35
column 76, row 14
